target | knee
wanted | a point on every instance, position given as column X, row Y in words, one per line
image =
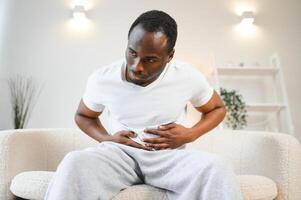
column 74, row 159
column 210, row 161
column 218, row 162
column 220, row 166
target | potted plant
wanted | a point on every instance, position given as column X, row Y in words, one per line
column 236, row 117
column 23, row 96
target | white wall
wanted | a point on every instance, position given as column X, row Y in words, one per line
column 40, row 44
column 5, row 112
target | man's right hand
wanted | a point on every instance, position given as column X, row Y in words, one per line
column 123, row 137
column 88, row 121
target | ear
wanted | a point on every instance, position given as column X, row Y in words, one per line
column 170, row 56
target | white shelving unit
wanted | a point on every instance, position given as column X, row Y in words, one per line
column 247, row 71
column 274, row 70
column 264, row 107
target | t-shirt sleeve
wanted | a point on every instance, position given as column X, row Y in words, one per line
column 201, row 89
column 91, row 96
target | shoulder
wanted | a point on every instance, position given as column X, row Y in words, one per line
column 111, row 69
column 186, row 69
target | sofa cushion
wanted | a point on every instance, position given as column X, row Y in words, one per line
column 33, row 185
column 257, row 187
column 139, row 192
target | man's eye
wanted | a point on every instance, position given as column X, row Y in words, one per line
column 133, row 54
column 151, row 60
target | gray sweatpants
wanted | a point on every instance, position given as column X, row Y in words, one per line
column 99, row 173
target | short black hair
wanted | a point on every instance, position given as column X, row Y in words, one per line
column 158, row 21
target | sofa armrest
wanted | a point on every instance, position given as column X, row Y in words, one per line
column 34, row 149
column 274, row 155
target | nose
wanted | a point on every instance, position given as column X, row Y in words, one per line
column 137, row 66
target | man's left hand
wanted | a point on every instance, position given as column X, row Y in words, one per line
column 171, row 136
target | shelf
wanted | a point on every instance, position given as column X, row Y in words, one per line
column 264, row 107
column 251, row 71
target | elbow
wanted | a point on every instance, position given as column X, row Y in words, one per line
column 223, row 111
column 76, row 118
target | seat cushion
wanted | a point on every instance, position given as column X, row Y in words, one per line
column 33, row 185
column 139, row 192
column 257, row 187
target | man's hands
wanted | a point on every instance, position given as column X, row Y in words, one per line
column 171, row 136
column 123, row 137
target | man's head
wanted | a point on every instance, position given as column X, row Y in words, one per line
column 151, row 41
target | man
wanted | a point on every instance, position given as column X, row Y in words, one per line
column 144, row 98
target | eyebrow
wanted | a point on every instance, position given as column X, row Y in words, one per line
column 150, row 56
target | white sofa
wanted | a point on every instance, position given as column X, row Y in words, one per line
column 268, row 164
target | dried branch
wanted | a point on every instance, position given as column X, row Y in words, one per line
column 23, row 97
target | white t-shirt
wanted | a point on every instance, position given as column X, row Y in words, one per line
column 128, row 106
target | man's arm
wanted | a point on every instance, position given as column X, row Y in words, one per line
column 88, row 121
column 174, row 135
column 213, row 113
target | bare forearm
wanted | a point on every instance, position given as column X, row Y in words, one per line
column 208, row 121
column 92, row 127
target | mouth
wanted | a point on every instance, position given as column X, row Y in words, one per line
column 137, row 76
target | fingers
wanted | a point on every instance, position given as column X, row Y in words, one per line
column 125, row 139
column 157, row 143
column 155, row 140
column 134, row 144
column 163, row 128
column 156, row 132
column 128, row 134
column 167, row 126
column 158, row 146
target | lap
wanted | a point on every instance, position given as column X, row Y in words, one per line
column 102, row 159
column 163, row 168
column 169, row 169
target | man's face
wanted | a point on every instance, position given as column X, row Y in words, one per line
column 146, row 56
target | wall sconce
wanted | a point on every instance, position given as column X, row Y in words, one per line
column 79, row 12
column 247, row 18
column 79, row 21
column 246, row 28
column 79, row 17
